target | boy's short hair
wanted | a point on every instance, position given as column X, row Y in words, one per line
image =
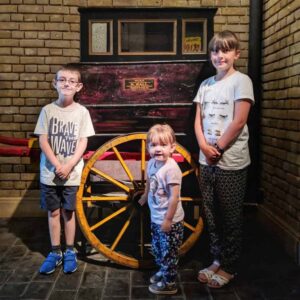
column 162, row 133
column 225, row 41
column 70, row 68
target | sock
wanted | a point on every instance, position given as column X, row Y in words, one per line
column 56, row 249
column 70, row 247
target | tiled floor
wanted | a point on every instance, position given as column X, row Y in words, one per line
column 266, row 272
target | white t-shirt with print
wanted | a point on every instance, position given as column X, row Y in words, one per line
column 217, row 99
column 64, row 127
column 161, row 177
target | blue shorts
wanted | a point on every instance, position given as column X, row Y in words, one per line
column 54, row 197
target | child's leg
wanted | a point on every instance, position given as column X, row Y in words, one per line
column 70, row 257
column 207, row 186
column 68, row 213
column 231, row 186
column 170, row 243
column 54, row 226
column 54, row 258
column 70, row 226
column 155, row 244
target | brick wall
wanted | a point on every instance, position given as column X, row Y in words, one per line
column 36, row 37
column 280, row 141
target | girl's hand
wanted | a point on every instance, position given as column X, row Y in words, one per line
column 143, row 200
column 166, row 226
column 211, row 154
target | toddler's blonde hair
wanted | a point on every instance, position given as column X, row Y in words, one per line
column 162, row 133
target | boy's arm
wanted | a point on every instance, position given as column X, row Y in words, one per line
column 209, row 151
column 66, row 168
column 46, row 148
column 241, row 112
column 173, row 202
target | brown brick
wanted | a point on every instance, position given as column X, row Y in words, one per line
column 18, row 68
column 5, row 68
column 35, row 26
column 6, row 118
column 99, row 2
column 9, row 76
column 6, row 85
column 30, row 9
column 55, row 44
column 32, row 60
column 32, row 77
column 31, row 85
column 18, row 101
column 34, row 93
column 9, row 93
column 9, row 127
column 44, row 35
column 56, row 18
column 71, row 18
column 9, row 43
column 8, row 9
column 6, row 185
column 17, row 51
column 32, row 43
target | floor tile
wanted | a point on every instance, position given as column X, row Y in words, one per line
column 12, row 290
column 37, row 290
column 265, row 271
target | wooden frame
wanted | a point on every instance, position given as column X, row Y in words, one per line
column 196, row 45
column 107, row 30
column 174, row 21
column 153, row 45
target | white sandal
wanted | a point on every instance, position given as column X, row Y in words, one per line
column 207, row 273
column 220, row 280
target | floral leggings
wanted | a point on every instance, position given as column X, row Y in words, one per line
column 165, row 246
column 223, row 194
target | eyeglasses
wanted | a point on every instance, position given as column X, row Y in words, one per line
column 63, row 81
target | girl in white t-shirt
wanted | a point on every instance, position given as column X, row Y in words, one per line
column 223, row 104
column 163, row 195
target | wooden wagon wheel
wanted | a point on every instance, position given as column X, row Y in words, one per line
column 120, row 227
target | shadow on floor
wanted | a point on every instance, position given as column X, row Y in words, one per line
column 266, row 272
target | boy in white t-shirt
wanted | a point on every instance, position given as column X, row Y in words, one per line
column 63, row 128
column 162, row 192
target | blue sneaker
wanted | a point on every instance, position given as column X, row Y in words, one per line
column 162, row 288
column 70, row 261
column 156, row 277
column 52, row 261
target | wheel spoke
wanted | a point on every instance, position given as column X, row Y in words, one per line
column 121, row 195
column 111, row 216
column 143, row 161
column 188, row 172
column 189, row 199
column 189, row 226
column 112, row 180
column 142, row 247
column 121, row 233
column 125, row 167
column 105, row 198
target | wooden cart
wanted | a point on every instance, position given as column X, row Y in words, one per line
column 124, row 100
